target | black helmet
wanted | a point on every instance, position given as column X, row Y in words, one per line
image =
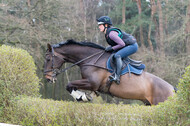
column 104, row 20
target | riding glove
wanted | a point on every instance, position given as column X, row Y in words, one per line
column 109, row 49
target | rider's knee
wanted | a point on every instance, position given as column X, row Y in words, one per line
column 117, row 56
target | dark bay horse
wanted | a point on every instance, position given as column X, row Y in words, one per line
column 91, row 58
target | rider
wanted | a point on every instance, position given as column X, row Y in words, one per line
column 121, row 43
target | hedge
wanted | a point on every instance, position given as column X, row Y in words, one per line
column 44, row 112
column 17, row 76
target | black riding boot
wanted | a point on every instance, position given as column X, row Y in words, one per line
column 116, row 76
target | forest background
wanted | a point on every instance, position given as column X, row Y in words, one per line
column 162, row 29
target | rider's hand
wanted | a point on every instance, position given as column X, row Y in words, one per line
column 109, row 49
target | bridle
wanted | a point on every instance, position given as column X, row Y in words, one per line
column 53, row 69
column 57, row 71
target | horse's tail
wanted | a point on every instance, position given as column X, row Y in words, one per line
column 175, row 89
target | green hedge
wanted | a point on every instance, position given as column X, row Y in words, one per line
column 175, row 111
column 17, row 76
column 42, row 112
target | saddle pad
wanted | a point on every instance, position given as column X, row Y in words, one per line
column 125, row 70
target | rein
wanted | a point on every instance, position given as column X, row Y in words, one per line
column 102, row 52
column 58, row 71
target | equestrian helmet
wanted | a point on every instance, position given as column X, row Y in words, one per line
column 104, row 20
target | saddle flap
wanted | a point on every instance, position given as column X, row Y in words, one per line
column 129, row 65
column 134, row 63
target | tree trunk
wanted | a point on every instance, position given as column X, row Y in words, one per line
column 166, row 20
column 187, row 30
column 29, row 3
column 161, row 31
column 153, row 10
column 156, row 32
column 83, row 11
column 141, row 29
column 123, row 12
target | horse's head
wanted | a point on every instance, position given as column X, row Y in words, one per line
column 69, row 51
column 53, row 62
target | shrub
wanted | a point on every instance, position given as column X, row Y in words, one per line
column 184, row 88
column 17, row 75
column 44, row 112
column 184, row 96
column 174, row 111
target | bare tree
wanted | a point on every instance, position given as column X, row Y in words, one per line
column 123, row 12
column 187, row 29
column 166, row 20
column 153, row 10
column 161, row 31
column 141, row 28
column 83, row 10
column 29, row 3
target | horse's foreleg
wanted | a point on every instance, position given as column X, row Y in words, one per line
column 80, row 84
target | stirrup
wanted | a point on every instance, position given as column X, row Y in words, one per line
column 114, row 78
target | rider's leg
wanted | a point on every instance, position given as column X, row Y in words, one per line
column 127, row 51
column 122, row 53
column 116, row 76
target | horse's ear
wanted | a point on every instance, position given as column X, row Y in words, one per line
column 49, row 47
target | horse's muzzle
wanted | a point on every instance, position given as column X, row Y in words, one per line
column 51, row 79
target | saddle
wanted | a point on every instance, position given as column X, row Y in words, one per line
column 129, row 66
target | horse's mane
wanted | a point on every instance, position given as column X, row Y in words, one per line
column 70, row 41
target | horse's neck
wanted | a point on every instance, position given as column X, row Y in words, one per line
column 81, row 53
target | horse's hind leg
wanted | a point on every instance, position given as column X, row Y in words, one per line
column 80, row 84
column 146, row 102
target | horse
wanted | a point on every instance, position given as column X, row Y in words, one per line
column 91, row 59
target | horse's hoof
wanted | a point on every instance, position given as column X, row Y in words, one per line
column 84, row 98
column 79, row 99
column 89, row 97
